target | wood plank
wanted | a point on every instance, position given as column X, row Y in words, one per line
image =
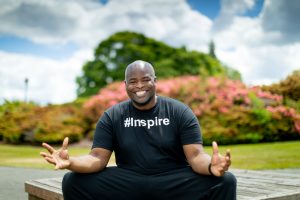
column 279, row 186
column 41, row 189
column 254, row 185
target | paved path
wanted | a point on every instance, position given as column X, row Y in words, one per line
column 12, row 181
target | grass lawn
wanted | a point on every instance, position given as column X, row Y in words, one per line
column 29, row 156
column 247, row 156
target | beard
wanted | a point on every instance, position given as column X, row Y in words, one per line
column 140, row 104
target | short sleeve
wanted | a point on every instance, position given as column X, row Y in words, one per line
column 103, row 136
column 189, row 127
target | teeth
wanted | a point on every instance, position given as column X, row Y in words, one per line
column 140, row 93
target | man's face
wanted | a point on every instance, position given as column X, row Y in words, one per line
column 141, row 86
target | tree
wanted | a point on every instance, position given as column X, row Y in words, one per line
column 113, row 54
column 288, row 88
column 212, row 49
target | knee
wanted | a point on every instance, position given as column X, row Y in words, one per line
column 229, row 180
column 67, row 181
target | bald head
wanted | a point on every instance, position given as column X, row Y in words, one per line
column 140, row 82
column 139, row 65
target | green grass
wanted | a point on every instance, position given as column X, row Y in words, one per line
column 29, row 156
column 278, row 155
column 247, row 156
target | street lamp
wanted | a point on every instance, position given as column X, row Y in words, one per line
column 26, row 90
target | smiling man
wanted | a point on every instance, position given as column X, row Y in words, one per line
column 158, row 147
column 140, row 85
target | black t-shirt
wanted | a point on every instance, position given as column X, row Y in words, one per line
column 150, row 141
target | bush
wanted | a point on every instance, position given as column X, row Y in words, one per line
column 14, row 120
column 25, row 122
column 288, row 88
column 228, row 111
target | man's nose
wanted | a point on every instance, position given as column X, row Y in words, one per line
column 139, row 84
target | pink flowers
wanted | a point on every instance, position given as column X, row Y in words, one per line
column 208, row 98
column 285, row 111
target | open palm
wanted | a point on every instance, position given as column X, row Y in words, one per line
column 60, row 157
column 219, row 163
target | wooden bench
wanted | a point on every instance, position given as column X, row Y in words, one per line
column 254, row 185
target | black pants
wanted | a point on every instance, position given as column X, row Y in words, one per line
column 120, row 184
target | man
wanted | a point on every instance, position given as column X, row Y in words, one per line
column 158, row 148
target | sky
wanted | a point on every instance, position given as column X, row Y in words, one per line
column 47, row 42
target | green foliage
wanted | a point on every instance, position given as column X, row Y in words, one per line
column 116, row 52
column 14, row 120
column 288, row 88
column 212, row 49
column 24, row 122
column 227, row 110
column 232, row 74
column 292, row 103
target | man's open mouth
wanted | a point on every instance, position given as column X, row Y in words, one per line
column 140, row 93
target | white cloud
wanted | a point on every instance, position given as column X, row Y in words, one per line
column 263, row 65
column 229, row 10
column 49, row 80
column 255, row 52
column 264, row 49
column 282, row 18
column 85, row 23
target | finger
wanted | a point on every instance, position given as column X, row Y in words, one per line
column 221, row 171
column 228, row 153
column 225, row 169
column 48, row 147
column 224, row 164
column 50, row 160
column 59, row 165
column 65, row 143
column 45, row 154
column 215, row 148
column 228, row 161
column 55, row 160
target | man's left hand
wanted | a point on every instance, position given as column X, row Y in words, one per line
column 219, row 163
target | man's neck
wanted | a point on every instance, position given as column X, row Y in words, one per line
column 148, row 106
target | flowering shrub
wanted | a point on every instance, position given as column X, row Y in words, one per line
column 106, row 98
column 228, row 111
column 23, row 122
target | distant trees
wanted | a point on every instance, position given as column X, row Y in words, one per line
column 113, row 55
column 289, row 87
column 211, row 50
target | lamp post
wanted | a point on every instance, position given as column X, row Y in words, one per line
column 26, row 90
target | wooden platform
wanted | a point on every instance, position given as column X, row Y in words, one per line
column 252, row 185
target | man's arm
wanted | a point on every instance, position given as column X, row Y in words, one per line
column 197, row 158
column 201, row 161
column 95, row 161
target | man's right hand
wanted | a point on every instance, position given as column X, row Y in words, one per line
column 60, row 157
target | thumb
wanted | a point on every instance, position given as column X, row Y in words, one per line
column 65, row 143
column 215, row 148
